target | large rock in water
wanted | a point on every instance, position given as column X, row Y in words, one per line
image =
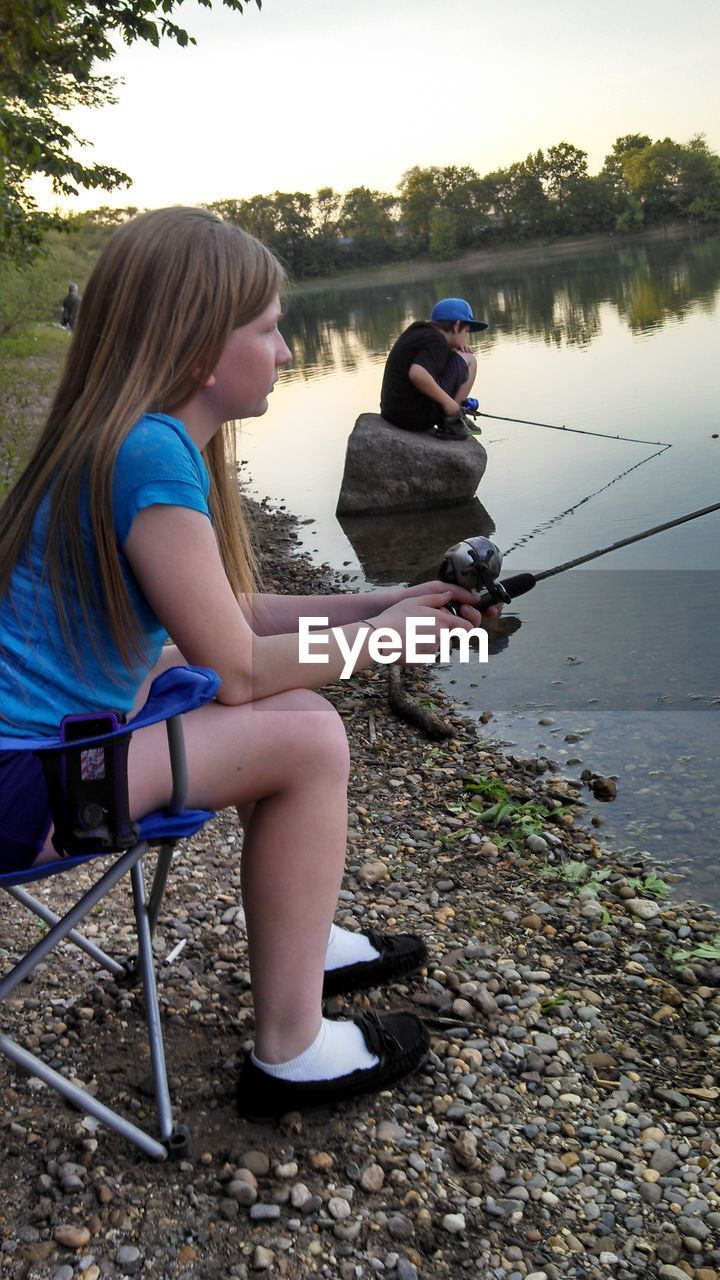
column 387, row 469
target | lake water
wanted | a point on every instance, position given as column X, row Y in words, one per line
column 621, row 656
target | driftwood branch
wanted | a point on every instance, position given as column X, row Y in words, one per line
column 407, row 709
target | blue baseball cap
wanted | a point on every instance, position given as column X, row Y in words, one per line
column 457, row 309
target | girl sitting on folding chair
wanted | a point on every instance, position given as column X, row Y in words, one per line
column 126, row 528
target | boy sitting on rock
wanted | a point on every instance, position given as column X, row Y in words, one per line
column 430, row 370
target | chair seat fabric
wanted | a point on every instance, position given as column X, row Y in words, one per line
column 158, row 827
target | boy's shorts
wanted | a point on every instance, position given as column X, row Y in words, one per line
column 25, row 818
column 455, row 373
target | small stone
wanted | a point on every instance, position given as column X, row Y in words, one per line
column 400, row 1227
column 544, row 1043
column 257, row 1162
column 650, row 1192
column 338, row 1208
column 129, row 1259
column 373, row 872
column 454, row 1223
column 390, row 1132
column 663, row 1161
column 664, row 1013
column 243, row 1192
column 299, row 1195
column 406, row 1270
column 322, row 1160
column 652, row 1134
column 264, row 1212
column 263, row 1258
column 465, row 1150
column 372, row 1178
column 462, row 1008
column 72, row 1237
column 642, row 908
column 603, row 788
column 531, row 921
column 348, row 1230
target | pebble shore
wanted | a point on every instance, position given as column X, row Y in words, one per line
column 565, row 1126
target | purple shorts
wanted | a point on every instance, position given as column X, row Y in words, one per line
column 24, row 810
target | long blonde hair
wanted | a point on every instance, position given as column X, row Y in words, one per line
column 164, row 296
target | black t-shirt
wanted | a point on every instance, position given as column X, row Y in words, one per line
column 400, row 401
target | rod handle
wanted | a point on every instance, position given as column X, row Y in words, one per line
column 516, row 586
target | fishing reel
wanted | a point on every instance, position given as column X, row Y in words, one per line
column 471, row 406
column 475, row 564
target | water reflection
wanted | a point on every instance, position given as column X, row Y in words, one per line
column 410, row 548
column 557, row 302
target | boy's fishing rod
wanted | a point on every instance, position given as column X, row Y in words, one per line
column 471, row 406
column 475, row 564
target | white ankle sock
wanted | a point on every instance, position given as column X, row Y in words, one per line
column 338, row 1049
column 346, row 948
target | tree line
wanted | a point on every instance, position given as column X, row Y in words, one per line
column 441, row 212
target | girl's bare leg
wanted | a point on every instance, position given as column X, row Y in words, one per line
column 285, row 761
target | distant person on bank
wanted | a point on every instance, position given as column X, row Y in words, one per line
column 70, row 305
column 430, row 370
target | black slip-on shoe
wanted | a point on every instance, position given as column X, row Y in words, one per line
column 399, row 1040
column 454, row 428
column 400, row 954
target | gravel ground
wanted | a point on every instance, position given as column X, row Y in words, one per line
column 566, row 1124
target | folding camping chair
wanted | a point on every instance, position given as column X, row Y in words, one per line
column 87, row 782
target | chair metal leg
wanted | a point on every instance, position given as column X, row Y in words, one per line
column 78, row 939
column 173, row 1140
column 82, row 1100
column 157, row 892
column 76, row 913
column 152, row 1010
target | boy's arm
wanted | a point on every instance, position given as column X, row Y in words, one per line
column 425, row 383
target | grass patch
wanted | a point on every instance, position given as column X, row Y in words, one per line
column 703, row 951
column 513, row 820
column 30, row 362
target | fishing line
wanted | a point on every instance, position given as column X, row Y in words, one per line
column 548, row 524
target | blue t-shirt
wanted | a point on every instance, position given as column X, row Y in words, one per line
column 40, row 682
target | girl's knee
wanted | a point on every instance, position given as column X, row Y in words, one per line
column 316, row 733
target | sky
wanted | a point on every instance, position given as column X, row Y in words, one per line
column 342, row 93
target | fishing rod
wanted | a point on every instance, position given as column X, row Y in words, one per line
column 471, row 406
column 475, row 563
